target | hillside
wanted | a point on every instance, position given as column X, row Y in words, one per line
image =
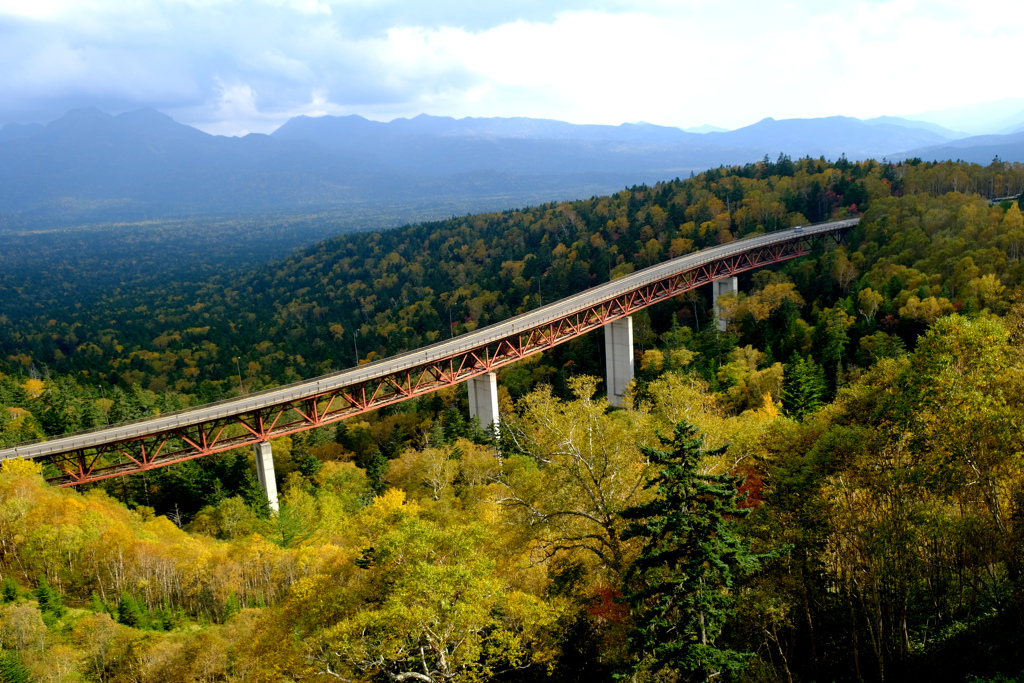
column 860, row 419
column 393, row 290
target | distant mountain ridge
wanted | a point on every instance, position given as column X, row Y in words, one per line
column 830, row 136
column 833, row 135
column 996, row 117
column 706, row 128
column 909, row 123
column 12, row 131
column 348, row 132
column 978, row 149
column 89, row 165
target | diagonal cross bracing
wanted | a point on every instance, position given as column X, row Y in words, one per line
column 175, row 437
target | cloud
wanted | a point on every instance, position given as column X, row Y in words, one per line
column 229, row 66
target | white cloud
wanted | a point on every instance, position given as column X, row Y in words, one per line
column 227, row 65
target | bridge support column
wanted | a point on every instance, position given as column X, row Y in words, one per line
column 729, row 285
column 618, row 358
column 483, row 399
column 265, row 472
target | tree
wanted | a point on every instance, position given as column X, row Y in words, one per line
column 231, row 607
column 805, row 387
column 291, row 528
column 680, row 587
column 22, row 627
column 376, row 470
column 572, row 467
column 12, row 670
column 868, row 302
column 128, row 612
column 844, row 271
column 97, row 603
column 424, row 602
column 49, row 598
column 830, row 340
column 9, row 593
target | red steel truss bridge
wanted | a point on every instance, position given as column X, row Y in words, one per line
column 153, row 442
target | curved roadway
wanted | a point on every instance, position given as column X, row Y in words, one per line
column 410, row 359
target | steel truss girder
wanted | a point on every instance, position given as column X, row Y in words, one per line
column 222, row 434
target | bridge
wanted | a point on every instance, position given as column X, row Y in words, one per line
column 254, row 419
column 998, row 200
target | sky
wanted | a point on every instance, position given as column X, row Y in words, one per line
column 230, row 67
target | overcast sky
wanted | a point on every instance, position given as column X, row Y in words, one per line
column 232, row 67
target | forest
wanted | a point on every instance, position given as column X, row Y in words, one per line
column 829, row 490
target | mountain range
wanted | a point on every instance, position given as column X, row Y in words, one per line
column 91, row 166
column 996, row 117
column 978, row 149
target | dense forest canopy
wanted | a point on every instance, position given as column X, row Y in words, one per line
column 383, row 292
column 847, row 455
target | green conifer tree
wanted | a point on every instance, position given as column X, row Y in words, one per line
column 291, row 529
column 11, row 668
column 128, row 612
column 805, row 387
column 9, row 592
column 231, row 607
column 166, row 617
column 680, row 587
column 376, row 470
column 49, row 598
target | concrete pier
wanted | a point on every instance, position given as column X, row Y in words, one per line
column 729, row 285
column 265, row 472
column 618, row 356
column 483, row 399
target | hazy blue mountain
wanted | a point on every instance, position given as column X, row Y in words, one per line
column 982, row 118
column 829, row 137
column 1012, row 124
column 141, row 161
column 17, row 130
column 526, row 145
column 925, row 125
column 979, row 149
column 345, row 131
column 706, row 128
column 89, row 165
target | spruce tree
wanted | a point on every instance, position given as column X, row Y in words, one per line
column 231, row 607
column 376, row 470
column 49, row 598
column 166, row 618
column 805, row 387
column 291, row 529
column 128, row 612
column 11, row 668
column 9, row 592
column 680, row 587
